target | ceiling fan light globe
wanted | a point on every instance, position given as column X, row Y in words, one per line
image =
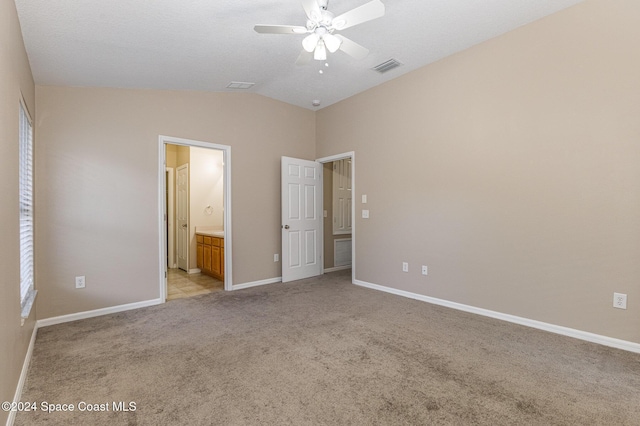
column 331, row 42
column 310, row 42
column 320, row 54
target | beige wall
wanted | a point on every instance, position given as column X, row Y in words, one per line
column 183, row 155
column 98, row 207
column 172, row 156
column 15, row 78
column 513, row 172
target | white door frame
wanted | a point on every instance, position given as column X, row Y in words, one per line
column 226, row 173
column 330, row 159
column 171, row 231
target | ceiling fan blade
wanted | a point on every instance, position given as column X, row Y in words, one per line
column 312, row 9
column 304, row 58
column 280, row 29
column 368, row 11
column 352, row 48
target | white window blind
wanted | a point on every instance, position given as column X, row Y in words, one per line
column 27, row 291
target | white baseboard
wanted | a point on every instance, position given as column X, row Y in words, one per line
column 557, row 329
column 337, row 268
column 256, row 283
column 97, row 312
column 194, row 271
column 23, row 375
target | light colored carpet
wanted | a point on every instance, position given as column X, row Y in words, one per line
column 324, row 352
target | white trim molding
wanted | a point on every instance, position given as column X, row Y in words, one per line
column 97, row 312
column 256, row 283
column 557, row 329
column 23, row 375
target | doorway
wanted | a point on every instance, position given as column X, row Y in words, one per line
column 339, row 228
column 209, row 210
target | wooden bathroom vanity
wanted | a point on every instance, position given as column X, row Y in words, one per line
column 210, row 254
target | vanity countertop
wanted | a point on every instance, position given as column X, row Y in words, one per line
column 209, row 231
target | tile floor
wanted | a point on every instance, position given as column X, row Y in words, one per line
column 180, row 284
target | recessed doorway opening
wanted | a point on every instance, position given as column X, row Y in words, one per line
column 202, row 215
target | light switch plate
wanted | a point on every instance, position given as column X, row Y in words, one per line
column 364, row 198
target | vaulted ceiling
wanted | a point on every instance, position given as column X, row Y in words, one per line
column 207, row 44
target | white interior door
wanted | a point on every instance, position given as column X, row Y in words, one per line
column 182, row 218
column 301, row 219
column 170, row 218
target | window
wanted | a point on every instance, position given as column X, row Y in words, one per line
column 27, row 290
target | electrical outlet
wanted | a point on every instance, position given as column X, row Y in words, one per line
column 405, row 267
column 619, row 300
column 365, row 214
column 424, row 270
column 80, row 282
column 276, row 257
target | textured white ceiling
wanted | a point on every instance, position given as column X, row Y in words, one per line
column 206, row 44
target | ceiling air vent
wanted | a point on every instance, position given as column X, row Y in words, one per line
column 239, row 85
column 387, row 66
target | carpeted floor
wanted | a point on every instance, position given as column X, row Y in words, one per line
column 323, row 352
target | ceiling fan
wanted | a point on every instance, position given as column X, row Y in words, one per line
column 320, row 27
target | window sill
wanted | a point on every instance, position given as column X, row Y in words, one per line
column 27, row 305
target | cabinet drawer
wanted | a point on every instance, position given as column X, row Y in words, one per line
column 207, row 240
column 199, row 238
column 215, row 242
column 221, row 242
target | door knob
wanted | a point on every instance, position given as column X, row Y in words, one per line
column 286, row 227
column 184, row 226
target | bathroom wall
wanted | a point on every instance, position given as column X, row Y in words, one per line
column 206, row 186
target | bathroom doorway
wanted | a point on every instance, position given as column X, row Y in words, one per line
column 205, row 213
column 338, row 211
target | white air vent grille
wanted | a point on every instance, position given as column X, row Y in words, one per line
column 239, row 85
column 387, row 66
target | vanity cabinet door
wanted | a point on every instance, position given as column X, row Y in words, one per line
column 206, row 252
column 199, row 254
column 215, row 261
